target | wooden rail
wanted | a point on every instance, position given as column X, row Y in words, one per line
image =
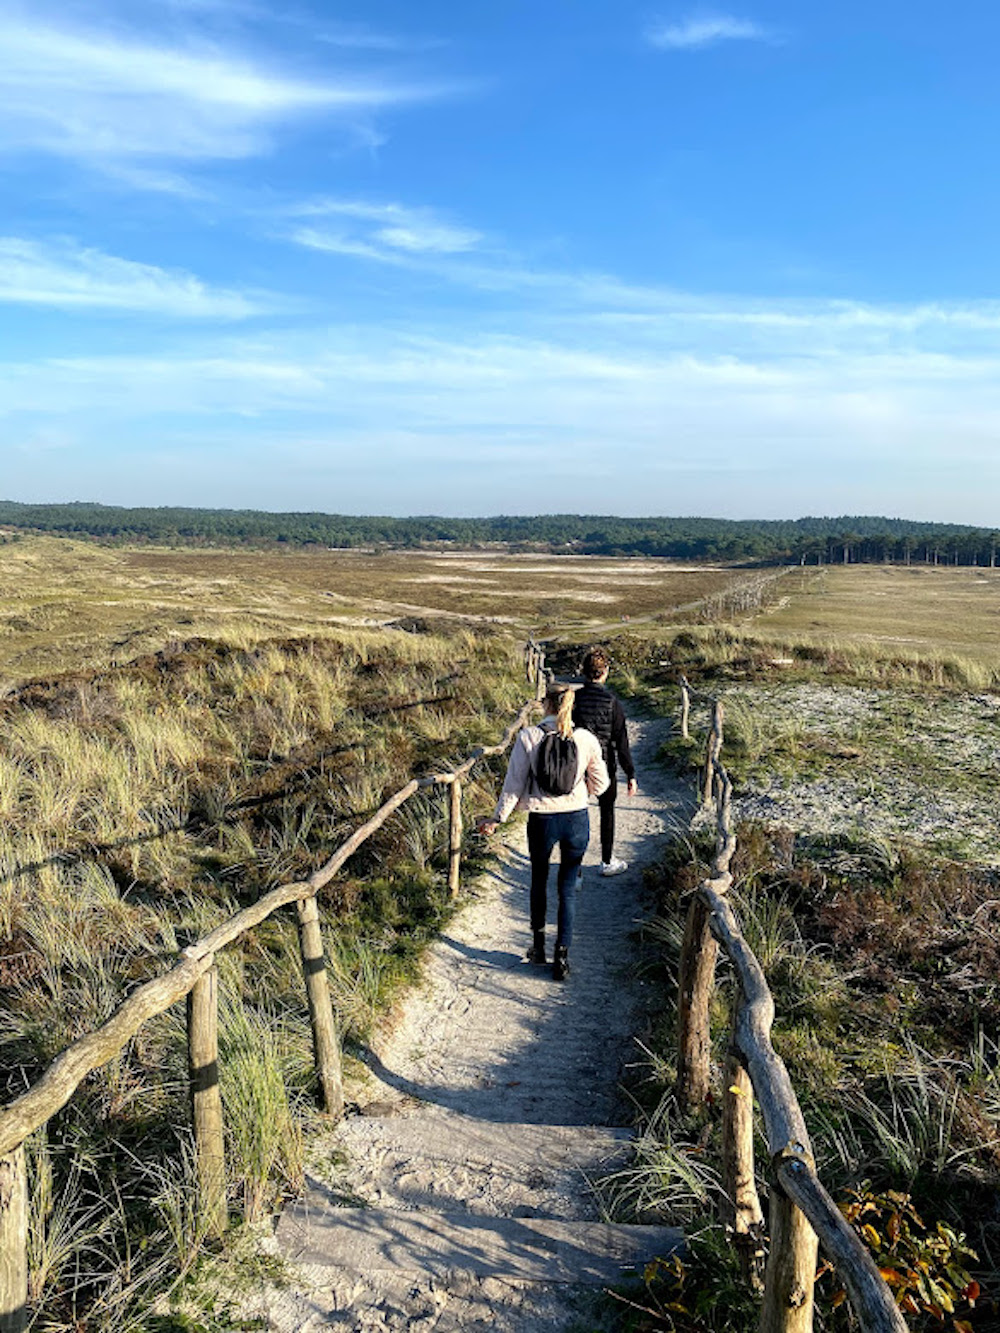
column 195, row 978
column 802, row 1215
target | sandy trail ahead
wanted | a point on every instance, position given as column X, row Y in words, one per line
column 489, row 1104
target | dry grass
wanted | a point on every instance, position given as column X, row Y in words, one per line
column 141, row 805
column 66, row 604
column 256, row 712
column 921, row 612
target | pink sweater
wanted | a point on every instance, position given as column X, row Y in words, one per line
column 521, row 793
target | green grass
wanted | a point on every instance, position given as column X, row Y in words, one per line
column 249, row 724
column 870, row 901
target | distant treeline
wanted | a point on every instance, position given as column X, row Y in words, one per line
column 805, row 540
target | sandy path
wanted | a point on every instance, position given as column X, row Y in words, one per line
column 496, row 1093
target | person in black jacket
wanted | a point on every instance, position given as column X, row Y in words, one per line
column 597, row 709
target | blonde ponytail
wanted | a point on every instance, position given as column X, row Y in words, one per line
column 560, row 702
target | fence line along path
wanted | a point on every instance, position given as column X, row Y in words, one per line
column 195, row 979
column 459, row 1197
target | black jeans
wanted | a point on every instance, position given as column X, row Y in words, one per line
column 569, row 830
column 606, row 803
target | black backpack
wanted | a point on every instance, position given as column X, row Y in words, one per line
column 556, row 764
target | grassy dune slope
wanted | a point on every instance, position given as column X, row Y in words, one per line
column 863, row 732
column 142, row 803
column 183, row 729
column 67, row 604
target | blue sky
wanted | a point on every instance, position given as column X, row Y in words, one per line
column 481, row 258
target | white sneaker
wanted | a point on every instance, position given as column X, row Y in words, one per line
column 614, row 867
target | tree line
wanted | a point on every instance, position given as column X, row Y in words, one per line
column 847, row 539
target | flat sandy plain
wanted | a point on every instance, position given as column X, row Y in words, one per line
column 927, row 611
column 73, row 605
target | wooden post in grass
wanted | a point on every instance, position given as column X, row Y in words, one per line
column 541, row 678
column 454, row 836
column 744, row 1214
column 13, row 1242
column 206, row 1102
column 697, row 980
column 713, row 748
column 685, row 709
column 326, row 1044
column 791, row 1269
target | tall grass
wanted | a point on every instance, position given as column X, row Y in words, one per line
column 887, row 1010
column 860, row 658
column 141, row 807
column 264, row 1135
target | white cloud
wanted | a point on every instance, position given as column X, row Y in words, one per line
column 98, row 94
column 417, row 238
column 153, row 181
column 359, row 37
column 706, row 30
column 382, row 231
column 449, row 419
column 425, row 237
column 68, row 276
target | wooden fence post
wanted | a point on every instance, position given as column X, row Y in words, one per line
column 206, row 1102
column 326, row 1044
column 696, row 982
column 745, row 1216
column 685, row 709
column 713, row 748
column 454, row 836
column 13, row 1242
column 791, row 1268
column 541, row 676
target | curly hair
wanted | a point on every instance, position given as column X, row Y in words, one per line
column 596, row 663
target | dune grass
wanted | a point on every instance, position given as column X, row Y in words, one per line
column 183, row 730
column 869, row 898
column 889, row 612
column 882, row 963
column 141, row 806
column 69, row 605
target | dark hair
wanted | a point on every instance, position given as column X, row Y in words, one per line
column 596, row 663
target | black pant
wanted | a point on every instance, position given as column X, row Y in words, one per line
column 606, row 803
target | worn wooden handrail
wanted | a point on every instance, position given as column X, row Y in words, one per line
column 803, row 1216
column 194, row 977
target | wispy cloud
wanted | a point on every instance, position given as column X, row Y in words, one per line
column 386, row 232
column 68, row 276
column 706, row 30
column 679, row 398
column 387, row 412
column 421, row 239
column 96, row 93
column 359, row 37
column 153, row 181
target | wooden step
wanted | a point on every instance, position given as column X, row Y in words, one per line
column 535, row 1249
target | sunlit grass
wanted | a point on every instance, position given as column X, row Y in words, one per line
column 142, row 806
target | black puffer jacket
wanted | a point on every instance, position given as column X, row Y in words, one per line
column 597, row 709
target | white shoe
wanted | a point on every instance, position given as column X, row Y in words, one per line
column 614, row 867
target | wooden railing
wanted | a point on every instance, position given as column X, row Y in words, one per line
column 195, row 977
column 802, row 1215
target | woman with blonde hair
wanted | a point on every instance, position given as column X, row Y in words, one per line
column 554, row 769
